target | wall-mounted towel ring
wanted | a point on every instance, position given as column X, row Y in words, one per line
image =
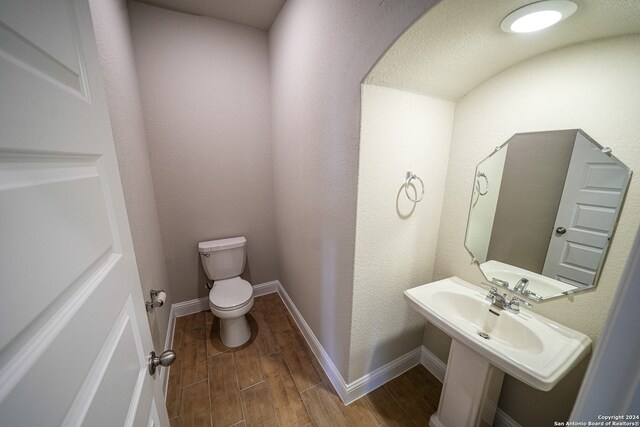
column 410, row 177
column 486, row 183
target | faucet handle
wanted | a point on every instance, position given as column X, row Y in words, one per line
column 500, row 282
column 514, row 304
column 493, row 293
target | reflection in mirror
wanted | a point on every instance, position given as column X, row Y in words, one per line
column 543, row 211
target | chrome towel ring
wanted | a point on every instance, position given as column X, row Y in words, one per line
column 486, row 183
column 410, row 177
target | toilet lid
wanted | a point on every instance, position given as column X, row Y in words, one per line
column 228, row 294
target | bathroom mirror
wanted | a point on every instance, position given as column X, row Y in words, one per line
column 544, row 207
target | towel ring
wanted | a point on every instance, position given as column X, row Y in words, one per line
column 410, row 177
column 486, row 183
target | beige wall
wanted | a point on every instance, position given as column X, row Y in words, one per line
column 205, row 95
column 592, row 86
column 527, row 208
column 395, row 238
column 113, row 37
column 320, row 51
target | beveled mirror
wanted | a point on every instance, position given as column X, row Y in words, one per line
column 543, row 212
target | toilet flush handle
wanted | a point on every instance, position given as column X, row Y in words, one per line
column 207, row 255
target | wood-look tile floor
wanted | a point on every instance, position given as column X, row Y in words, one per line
column 275, row 380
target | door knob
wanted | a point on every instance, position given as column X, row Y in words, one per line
column 561, row 230
column 165, row 359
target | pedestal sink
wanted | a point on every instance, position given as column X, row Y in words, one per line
column 487, row 342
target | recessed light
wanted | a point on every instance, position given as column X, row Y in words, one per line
column 537, row 16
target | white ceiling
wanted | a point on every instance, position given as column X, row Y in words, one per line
column 458, row 44
column 258, row 14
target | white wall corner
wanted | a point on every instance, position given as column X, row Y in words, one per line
column 382, row 375
column 266, row 288
column 433, row 364
column 367, row 383
column 438, row 368
column 325, row 361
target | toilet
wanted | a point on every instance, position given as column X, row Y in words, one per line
column 231, row 297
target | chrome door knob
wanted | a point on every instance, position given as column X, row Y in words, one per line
column 165, row 359
column 561, row 230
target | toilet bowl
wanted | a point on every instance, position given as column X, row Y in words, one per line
column 230, row 300
column 231, row 297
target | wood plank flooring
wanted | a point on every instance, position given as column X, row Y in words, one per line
column 275, row 380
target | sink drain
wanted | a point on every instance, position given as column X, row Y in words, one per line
column 484, row 335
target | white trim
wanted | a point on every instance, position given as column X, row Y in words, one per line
column 438, row 368
column 325, row 361
column 382, row 375
column 265, row 288
column 368, row 382
column 168, row 341
column 433, row 364
column 192, row 306
column 502, row 419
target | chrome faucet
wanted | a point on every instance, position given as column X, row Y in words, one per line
column 496, row 299
column 500, row 301
column 514, row 304
column 500, row 282
column 521, row 286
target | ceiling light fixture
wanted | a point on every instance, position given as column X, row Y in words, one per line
column 537, row 16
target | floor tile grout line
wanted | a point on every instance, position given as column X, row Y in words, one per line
column 400, row 405
column 368, row 405
column 295, row 330
column 235, row 371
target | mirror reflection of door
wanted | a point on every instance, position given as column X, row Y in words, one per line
column 586, row 215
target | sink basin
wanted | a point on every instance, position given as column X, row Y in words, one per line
column 527, row 346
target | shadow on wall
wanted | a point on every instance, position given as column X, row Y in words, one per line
column 404, row 206
column 558, row 403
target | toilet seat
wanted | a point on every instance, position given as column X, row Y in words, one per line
column 230, row 294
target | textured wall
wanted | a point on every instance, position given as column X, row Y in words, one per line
column 111, row 24
column 594, row 86
column 205, row 97
column 395, row 238
column 320, row 51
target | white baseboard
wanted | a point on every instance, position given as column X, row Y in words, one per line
column 265, row 288
column 358, row 388
column 192, row 306
column 438, row 368
column 325, row 361
column 197, row 305
column 503, row 419
column 382, row 375
column 433, row 364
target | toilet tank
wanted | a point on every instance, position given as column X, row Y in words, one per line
column 223, row 258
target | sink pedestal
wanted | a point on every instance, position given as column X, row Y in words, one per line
column 470, row 392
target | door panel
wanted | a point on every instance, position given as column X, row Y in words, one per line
column 592, row 194
column 74, row 337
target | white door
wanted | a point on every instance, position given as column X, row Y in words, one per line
column 592, row 195
column 74, row 337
